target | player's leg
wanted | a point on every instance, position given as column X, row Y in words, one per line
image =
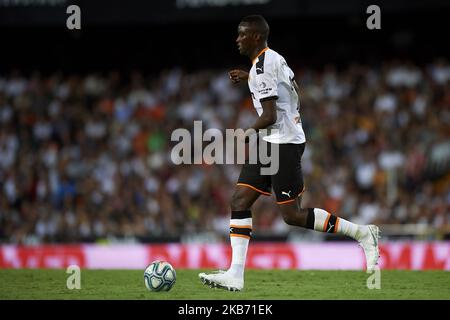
column 288, row 188
column 320, row 220
column 249, row 187
column 316, row 219
column 241, row 224
column 240, row 234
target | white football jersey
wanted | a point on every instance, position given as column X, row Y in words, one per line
column 271, row 78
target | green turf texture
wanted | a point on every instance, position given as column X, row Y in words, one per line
column 259, row 285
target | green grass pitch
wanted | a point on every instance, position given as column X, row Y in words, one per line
column 259, row 285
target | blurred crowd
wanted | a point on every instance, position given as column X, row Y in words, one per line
column 85, row 158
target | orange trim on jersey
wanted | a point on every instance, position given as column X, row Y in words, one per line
column 252, row 187
column 337, row 225
column 326, row 223
column 260, row 53
column 235, row 226
column 239, row 235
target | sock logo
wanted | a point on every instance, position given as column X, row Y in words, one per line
column 330, row 226
column 241, row 231
column 288, row 194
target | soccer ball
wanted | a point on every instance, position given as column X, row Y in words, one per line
column 159, row 276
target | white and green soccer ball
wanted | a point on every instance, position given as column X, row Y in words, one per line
column 159, row 276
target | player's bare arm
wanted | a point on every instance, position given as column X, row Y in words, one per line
column 268, row 117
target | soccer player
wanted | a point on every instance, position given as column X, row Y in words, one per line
column 275, row 96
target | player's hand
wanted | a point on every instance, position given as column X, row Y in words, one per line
column 237, row 75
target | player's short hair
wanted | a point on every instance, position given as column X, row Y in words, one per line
column 260, row 24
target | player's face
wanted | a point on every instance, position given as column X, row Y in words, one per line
column 245, row 40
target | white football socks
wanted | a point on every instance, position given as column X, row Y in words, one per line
column 240, row 232
column 326, row 222
column 349, row 229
